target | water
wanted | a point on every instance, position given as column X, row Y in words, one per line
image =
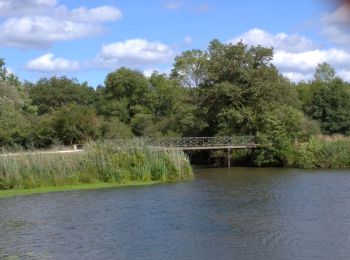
column 237, row 213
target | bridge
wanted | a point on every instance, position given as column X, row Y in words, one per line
column 205, row 143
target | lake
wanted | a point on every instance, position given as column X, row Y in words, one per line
column 237, row 213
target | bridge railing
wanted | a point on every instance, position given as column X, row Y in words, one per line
column 201, row 141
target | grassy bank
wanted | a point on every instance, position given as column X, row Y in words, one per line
column 103, row 162
column 25, row 192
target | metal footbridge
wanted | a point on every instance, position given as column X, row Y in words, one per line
column 204, row 143
column 227, row 143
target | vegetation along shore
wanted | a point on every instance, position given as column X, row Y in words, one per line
column 102, row 164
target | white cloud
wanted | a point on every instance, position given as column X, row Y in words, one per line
column 135, row 52
column 307, row 61
column 95, row 15
column 43, row 31
column 336, row 25
column 49, row 63
column 301, row 66
column 28, row 28
column 344, row 74
column 280, row 41
column 10, row 71
column 21, row 7
column 297, row 76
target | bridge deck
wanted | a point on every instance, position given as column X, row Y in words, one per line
column 218, row 147
column 204, row 143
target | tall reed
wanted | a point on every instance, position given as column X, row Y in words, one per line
column 322, row 152
column 110, row 162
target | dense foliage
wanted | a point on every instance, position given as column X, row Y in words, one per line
column 228, row 89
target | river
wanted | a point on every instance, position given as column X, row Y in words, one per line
column 237, row 213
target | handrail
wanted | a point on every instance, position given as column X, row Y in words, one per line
column 201, row 141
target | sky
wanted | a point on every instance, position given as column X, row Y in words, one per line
column 88, row 39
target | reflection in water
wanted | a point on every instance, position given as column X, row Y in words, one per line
column 238, row 213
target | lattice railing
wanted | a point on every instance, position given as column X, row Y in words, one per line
column 201, row 141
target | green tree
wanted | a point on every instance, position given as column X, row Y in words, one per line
column 3, row 70
column 124, row 95
column 330, row 106
column 190, row 68
column 282, row 128
column 126, row 84
column 14, row 125
column 53, row 93
column 76, row 124
column 324, row 73
column 240, row 84
column 113, row 128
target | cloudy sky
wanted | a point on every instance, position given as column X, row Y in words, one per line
column 87, row 39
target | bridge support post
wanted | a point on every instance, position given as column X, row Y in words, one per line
column 228, row 158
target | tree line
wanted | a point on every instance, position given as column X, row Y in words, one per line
column 227, row 89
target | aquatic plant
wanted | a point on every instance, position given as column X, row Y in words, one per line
column 108, row 162
column 322, row 152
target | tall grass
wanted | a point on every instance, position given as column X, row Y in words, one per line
column 100, row 162
column 322, row 152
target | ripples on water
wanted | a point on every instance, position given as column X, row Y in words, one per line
column 237, row 213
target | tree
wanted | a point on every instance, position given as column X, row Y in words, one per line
column 163, row 95
column 113, row 128
column 281, row 128
column 190, row 68
column 142, row 125
column 3, row 70
column 53, row 93
column 127, row 84
column 330, row 106
column 238, row 84
column 324, row 73
column 14, row 125
column 76, row 124
column 125, row 94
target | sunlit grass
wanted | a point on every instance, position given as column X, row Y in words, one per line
column 25, row 192
column 102, row 162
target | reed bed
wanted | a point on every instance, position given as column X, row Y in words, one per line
column 106, row 162
column 322, row 152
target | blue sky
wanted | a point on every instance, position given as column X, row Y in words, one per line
column 88, row 39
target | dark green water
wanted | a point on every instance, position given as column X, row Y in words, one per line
column 239, row 213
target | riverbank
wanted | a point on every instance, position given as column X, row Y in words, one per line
column 104, row 162
column 94, row 186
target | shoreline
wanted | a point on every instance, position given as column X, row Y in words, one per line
column 52, row 189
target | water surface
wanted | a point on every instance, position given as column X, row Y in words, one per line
column 237, row 213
